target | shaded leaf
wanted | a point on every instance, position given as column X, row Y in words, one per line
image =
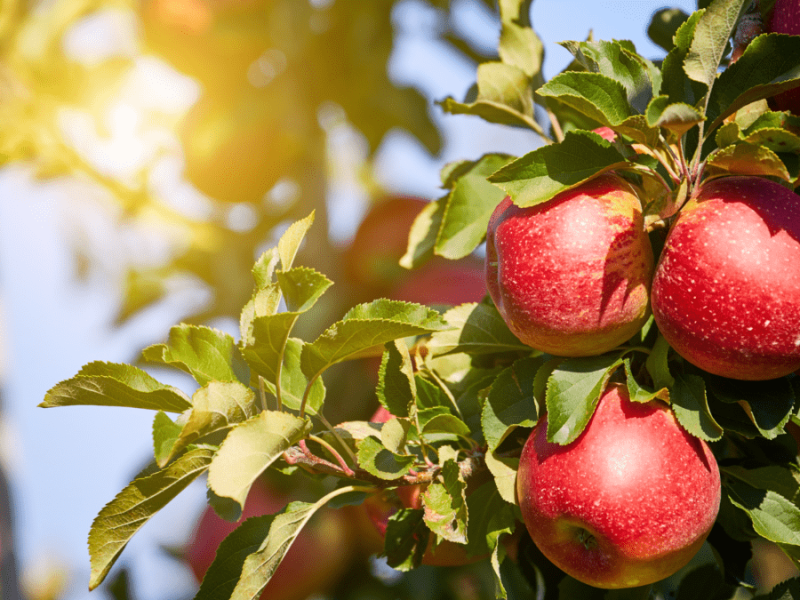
column 423, row 234
column 406, row 539
column 510, row 403
column 663, row 26
column 746, row 159
column 445, row 505
column 377, row 460
column 690, row 405
column 165, row 433
column 600, row 98
column 397, row 389
column 477, row 329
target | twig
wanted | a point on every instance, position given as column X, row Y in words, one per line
column 338, row 437
column 348, row 471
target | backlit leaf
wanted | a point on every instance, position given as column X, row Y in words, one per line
column 714, row 28
column 477, row 329
column 600, row 98
column 290, row 241
column 397, row 389
column 377, row 460
column 510, row 403
column 747, row 159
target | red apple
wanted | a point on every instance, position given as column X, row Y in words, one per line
column 443, row 283
column 606, row 133
column 571, row 276
column 726, row 292
column 785, row 18
column 326, row 537
column 627, row 503
column 381, row 507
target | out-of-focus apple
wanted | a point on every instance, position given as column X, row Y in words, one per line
column 571, row 277
column 627, row 503
column 326, row 537
column 785, row 18
column 726, row 291
column 443, row 283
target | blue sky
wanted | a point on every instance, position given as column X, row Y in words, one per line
column 66, row 464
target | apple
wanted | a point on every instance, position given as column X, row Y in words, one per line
column 571, row 277
column 380, row 507
column 606, row 133
column 785, row 18
column 326, row 537
column 627, row 503
column 443, row 283
column 726, row 291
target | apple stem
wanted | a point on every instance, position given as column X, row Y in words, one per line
column 587, row 539
column 348, row 471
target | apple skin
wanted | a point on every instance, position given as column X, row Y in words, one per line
column 571, row 277
column 785, row 18
column 326, row 538
column 726, row 291
column 627, row 503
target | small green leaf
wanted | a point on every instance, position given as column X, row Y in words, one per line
column 746, row 159
column 768, row 404
column 121, row 518
column 113, row 384
column 365, row 326
column 638, row 393
column 658, row 364
column 477, row 329
column 205, row 353
column 504, row 470
column 374, row 458
column 445, row 505
column 394, row 435
column 468, row 208
column 713, row 30
column 663, row 26
column 165, row 433
column 572, row 394
column 675, row 82
column 423, row 234
column 510, row 403
column 777, row 140
column 406, row 539
column 250, row 448
column 676, row 117
column 302, row 287
column 265, row 303
column 265, row 267
column 690, row 405
column 489, row 518
column 445, row 423
column 597, row 96
column 519, row 45
column 294, row 381
column 290, row 241
column 539, row 175
column 217, row 407
column 397, row 389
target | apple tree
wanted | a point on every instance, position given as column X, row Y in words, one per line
column 662, row 205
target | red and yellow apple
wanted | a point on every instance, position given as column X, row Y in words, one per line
column 627, row 503
column 571, row 277
column 726, row 291
column 327, row 537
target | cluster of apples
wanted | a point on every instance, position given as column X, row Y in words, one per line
column 634, row 497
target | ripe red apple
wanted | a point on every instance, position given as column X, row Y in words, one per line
column 785, row 18
column 606, row 133
column 443, row 283
column 571, row 276
column 726, row 292
column 627, row 503
column 326, row 537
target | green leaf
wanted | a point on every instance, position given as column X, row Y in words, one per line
column 619, row 61
column 377, row 460
column 638, row 393
column 406, row 539
column 746, row 159
column 539, row 175
column 468, row 207
column 477, row 329
column 510, row 403
column 294, row 381
column 657, row 364
column 490, row 517
column 675, row 82
column 217, row 407
column 519, row 45
column 504, row 470
column 267, row 340
column 767, row 67
column 445, row 423
column 445, row 505
column 250, row 448
column 430, row 395
column 368, row 325
column 265, row 267
column 165, row 434
column 777, row 140
column 663, row 26
column 572, row 394
column 713, row 30
column 690, row 405
column 121, row 518
column 503, row 95
column 397, row 389
column 265, row 303
column 302, row 287
column 768, row 404
column 290, row 241
column 786, row 590
column 597, row 96
column 394, row 435
column 113, row 384
column 423, row 234
column 677, row 117
column 205, row 353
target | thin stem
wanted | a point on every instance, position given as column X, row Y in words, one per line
column 339, row 439
column 334, row 453
column 448, row 393
column 555, row 124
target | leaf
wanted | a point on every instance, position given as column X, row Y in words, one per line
column 777, row 140
column 657, row 364
column 539, row 175
column 746, row 159
column 767, row 67
column 265, row 303
column 205, row 353
column 445, row 423
column 638, row 393
column 165, row 433
column 121, row 518
column 785, row 590
column 477, row 329
column 600, row 98
column 217, row 407
column 294, row 381
column 368, row 325
column 675, row 82
column 714, row 28
column 302, row 287
column 768, row 404
column 250, row 448
column 490, row 517
column 504, row 470
column 406, row 539
column 394, row 435
column 423, row 234
column 377, row 460
column 467, row 208
column 503, row 95
column 265, row 267
column 445, row 505
column 510, row 403
column 397, row 389
column 114, row 384
column 663, row 26
column 572, row 394
column 677, row 117
column 690, row 405
column 519, row 45
column 290, row 241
